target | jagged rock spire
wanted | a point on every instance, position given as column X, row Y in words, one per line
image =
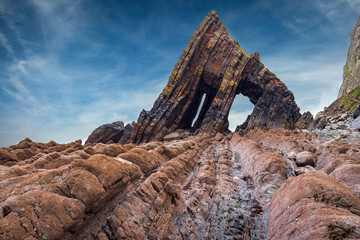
column 214, row 65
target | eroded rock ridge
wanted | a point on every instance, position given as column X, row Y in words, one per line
column 275, row 184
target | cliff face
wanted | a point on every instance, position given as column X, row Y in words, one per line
column 351, row 75
column 345, row 108
column 214, row 67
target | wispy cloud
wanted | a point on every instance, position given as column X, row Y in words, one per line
column 60, row 20
column 5, row 43
column 73, row 64
column 237, row 118
column 314, row 81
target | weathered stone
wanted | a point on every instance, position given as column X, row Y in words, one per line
column 215, row 67
column 351, row 75
column 107, row 132
column 291, row 155
column 343, row 108
column 305, row 158
column 301, row 170
column 306, row 121
column 127, row 133
column 172, row 136
column 311, row 206
column 209, row 186
column 180, row 188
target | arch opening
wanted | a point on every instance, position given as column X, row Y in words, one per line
column 239, row 111
column 200, row 112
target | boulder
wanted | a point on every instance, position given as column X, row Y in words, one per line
column 172, row 136
column 314, row 206
column 305, row 158
column 301, row 170
column 107, row 132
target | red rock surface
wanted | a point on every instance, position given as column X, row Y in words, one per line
column 243, row 187
column 253, row 184
column 314, row 206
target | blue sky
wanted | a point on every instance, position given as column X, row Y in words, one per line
column 68, row 66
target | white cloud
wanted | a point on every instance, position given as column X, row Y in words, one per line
column 354, row 3
column 60, row 21
column 237, row 118
column 5, row 43
column 315, row 81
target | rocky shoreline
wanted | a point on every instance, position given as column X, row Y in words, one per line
column 280, row 175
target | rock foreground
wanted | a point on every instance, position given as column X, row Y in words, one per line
column 245, row 186
column 200, row 181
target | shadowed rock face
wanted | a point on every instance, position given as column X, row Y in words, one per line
column 115, row 132
column 107, row 132
column 214, row 67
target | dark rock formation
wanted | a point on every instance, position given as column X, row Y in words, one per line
column 342, row 110
column 127, row 133
column 351, row 75
column 357, row 112
column 107, row 132
column 306, row 121
column 215, row 67
column 115, row 132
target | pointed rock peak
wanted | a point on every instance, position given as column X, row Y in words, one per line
column 211, row 71
column 212, row 13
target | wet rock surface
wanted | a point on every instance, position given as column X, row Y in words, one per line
column 248, row 186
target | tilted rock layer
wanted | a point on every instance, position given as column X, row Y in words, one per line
column 247, row 186
column 253, row 184
column 351, row 75
column 214, row 67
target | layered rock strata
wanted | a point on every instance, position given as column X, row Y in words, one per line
column 212, row 70
column 351, row 75
column 253, row 185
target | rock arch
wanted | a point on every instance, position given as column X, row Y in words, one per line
column 214, row 64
